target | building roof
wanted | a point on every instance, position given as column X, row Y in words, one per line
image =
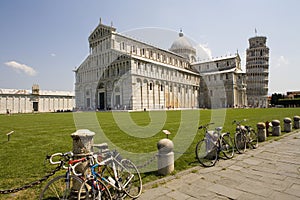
column 164, row 64
column 148, row 44
column 216, row 59
column 41, row 92
column 236, row 70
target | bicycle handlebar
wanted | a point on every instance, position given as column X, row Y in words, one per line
column 55, row 162
column 238, row 122
column 66, row 162
column 206, row 125
column 63, row 157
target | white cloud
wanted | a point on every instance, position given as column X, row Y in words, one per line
column 243, row 57
column 53, row 54
column 203, row 52
column 21, row 68
column 281, row 61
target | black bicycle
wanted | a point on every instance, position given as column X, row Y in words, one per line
column 214, row 142
column 244, row 136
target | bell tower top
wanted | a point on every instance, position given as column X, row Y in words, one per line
column 35, row 89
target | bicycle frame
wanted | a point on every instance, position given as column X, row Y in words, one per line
column 247, row 137
column 114, row 161
column 214, row 142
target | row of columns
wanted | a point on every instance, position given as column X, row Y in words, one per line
column 156, row 96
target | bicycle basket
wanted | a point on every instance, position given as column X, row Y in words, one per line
column 212, row 135
column 241, row 128
column 211, row 140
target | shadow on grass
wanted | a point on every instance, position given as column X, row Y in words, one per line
column 194, row 163
column 3, row 142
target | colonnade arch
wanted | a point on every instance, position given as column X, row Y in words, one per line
column 159, row 94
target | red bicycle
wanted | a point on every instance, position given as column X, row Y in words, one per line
column 67, row 186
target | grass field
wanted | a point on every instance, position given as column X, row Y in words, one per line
column 36, row 135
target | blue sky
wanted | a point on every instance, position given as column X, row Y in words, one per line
column 43, row 41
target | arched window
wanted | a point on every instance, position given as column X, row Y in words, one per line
column 101, row 86
column 117, row 89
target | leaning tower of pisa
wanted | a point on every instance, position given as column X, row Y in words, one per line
column 257, row 71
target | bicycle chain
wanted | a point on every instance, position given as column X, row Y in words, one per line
column 183, row 153
column 147, row 162
column 155, row 155
column 30, row 185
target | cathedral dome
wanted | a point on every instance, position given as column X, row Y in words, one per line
column 182, row 46
column 181, row 43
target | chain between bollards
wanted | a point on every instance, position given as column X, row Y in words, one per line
column 32, row 184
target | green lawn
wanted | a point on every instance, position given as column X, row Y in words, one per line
column 136, row 137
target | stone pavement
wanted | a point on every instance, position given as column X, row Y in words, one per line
column 270, row 172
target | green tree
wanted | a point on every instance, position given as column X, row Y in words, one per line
column 275, row 98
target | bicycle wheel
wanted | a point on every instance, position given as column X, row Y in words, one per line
column 107, row 171
column 240, row 142
column 227, row 146
column 206, row 152
column 94, row 189
column 253, row 139
column 62, row 188
column 130, row 178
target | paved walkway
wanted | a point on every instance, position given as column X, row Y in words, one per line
column 270, row 172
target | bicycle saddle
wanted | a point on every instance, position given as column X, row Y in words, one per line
column 219, row 128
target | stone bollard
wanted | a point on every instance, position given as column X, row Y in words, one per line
column 268, row 125
column 165, row 157
column 82, row 144
column 82, row 141
column 287, row 124
column 276, row 129
column 261, row 131
column 296, row 122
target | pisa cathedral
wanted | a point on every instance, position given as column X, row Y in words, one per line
column 122, row 73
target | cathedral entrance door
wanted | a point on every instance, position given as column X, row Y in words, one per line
column 101, row 101
column 35, row 106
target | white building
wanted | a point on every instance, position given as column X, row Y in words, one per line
column 123, row 73
column 26, row 101
column 223, row 83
